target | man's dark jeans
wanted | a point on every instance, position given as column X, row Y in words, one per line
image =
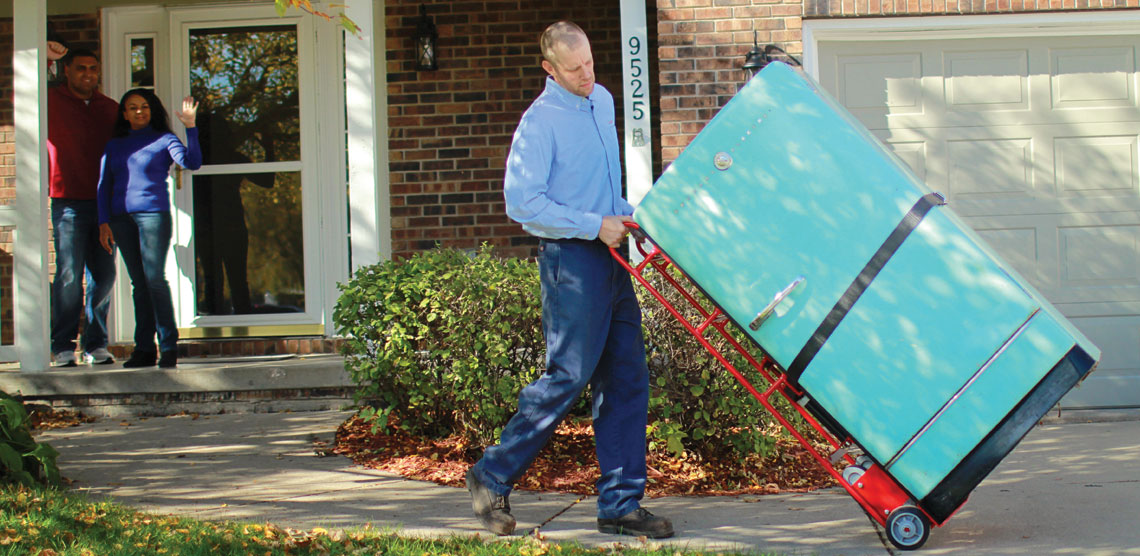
column 592, row 325
column 78, row 254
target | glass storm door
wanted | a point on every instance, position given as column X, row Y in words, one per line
column 246, row 227
column 248, row 244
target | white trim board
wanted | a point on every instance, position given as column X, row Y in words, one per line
column 1098, row 23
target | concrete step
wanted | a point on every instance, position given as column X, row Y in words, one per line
column 205, row 385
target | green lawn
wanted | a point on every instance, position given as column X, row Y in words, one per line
column 50, row 522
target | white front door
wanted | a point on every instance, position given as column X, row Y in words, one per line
column 1034, row 140
column 257, row 244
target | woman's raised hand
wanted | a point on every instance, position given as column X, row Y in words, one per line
column 189, row 112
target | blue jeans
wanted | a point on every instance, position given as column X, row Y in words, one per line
column 144, row 239
column 78, row 254
column 592, row 325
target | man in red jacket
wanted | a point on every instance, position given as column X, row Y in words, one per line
column 80, row 119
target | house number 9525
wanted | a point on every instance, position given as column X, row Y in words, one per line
column 637, row 78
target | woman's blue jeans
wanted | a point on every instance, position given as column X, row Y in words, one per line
column 592, row 324
column 144, row 239
column 75, row 231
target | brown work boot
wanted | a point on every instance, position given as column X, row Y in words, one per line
column 638, row 523
column 493, row 510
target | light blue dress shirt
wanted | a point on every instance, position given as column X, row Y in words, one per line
column 564, row 170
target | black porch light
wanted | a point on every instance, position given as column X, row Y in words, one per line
column 757, row 58
column 425, row 38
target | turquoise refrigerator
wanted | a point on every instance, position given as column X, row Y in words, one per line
column 906, row 333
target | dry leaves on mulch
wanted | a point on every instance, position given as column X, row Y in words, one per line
column 568, row 464
column 42, row 417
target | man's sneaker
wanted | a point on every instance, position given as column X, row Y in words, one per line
column 639, row 523
column 493, row 510
column 63, row 359
column 98, row 356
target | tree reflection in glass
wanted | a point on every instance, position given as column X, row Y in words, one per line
column 247, row 219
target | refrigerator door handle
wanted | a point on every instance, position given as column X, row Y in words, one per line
column 771, row 308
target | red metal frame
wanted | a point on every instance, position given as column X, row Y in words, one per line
column 875, row 491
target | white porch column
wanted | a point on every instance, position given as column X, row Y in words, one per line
column 635, row 76
column 366, row 100
column 31, row 215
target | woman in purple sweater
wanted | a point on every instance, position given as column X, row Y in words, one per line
column 134, row 212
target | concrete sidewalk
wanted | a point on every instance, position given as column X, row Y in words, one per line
column 1067, row 489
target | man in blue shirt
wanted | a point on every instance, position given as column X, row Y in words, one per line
column 563, row 184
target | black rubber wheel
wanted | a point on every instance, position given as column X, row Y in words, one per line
column 907, row 528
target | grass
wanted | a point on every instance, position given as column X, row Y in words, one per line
column 52, row 522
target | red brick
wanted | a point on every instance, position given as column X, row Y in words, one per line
column 730, row 25
column 712, row 13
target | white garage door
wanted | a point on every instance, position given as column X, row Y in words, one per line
column 1035, row 143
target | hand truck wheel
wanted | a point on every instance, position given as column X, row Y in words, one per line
column 907, row 528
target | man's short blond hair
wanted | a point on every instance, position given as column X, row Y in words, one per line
column 564, row 32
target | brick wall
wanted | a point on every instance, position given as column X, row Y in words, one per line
column 449, row 130
column 7, row 135
column 702, row 44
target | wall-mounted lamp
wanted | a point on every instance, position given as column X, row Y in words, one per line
column 425, row 38
column 756, row 58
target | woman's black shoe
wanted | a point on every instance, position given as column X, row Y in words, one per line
column 168, row 360
column 140, row 359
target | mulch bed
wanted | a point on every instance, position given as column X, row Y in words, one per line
column 568, row 464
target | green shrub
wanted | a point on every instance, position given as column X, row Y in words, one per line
column 444, row 341
column 695, row 403
column 22, row 460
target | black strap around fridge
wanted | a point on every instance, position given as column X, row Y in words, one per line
column 861, row 282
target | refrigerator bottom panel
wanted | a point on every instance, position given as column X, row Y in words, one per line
column 953, row 490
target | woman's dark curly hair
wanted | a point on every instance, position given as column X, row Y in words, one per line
column 159, row 121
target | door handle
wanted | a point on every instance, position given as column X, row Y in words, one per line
column 771, row 308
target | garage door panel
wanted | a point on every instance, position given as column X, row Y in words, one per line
column 1117, row 377
column 986, row 80
column 876, row 86
column 963, row 85
column 990, row 168
column 935, row 119
column 1099, row 256
column 989, row 208
column 1093, row 77
column 1028, row 243
column 1082, row 167
column 1101, row 165
column 1020, row 246
column 1078, row 258
column 1036, row 143
column 913, row 153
